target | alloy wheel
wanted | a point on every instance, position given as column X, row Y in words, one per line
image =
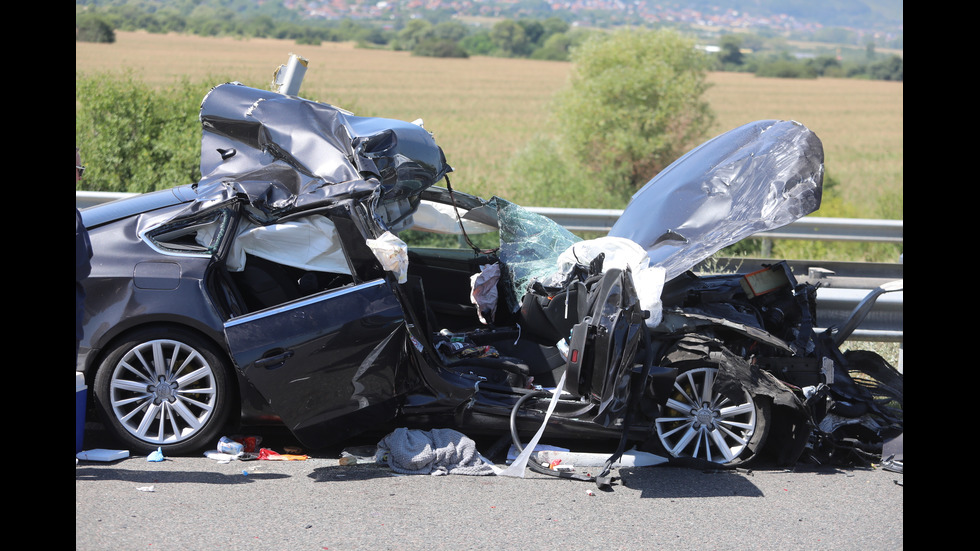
column 163, row 391
column 702, row 423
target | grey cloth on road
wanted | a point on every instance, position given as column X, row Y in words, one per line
column 434, row 452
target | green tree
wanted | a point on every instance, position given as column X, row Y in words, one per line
column 414, row 32
column 533, row 30
column 731, row 51
column 825, row 65
column 556, row 48
column 93, row 28
column 170, row 21
column 478, row 43
column 554, row 25
column 510, row 38
column 892, row 68
column 453, row 31
column 635, row 104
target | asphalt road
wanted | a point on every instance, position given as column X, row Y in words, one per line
column 197, row 503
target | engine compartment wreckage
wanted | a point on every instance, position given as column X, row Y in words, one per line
column 277, row 290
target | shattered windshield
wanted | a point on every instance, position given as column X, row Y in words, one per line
column 529, row 246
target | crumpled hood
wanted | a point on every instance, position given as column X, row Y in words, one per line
column 287, row 153
column 757, row 177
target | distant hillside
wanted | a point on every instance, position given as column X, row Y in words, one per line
column 855, row 14
column 785, row 15
column 862, row 14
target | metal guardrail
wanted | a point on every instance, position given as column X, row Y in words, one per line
column 602, row 220
column 86, row 199
column 842, row 285
column 808, row 227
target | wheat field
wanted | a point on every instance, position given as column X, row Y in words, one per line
column 482, row 109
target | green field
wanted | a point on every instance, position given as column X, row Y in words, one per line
column 483, row 109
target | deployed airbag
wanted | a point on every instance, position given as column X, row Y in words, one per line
column 310, row 243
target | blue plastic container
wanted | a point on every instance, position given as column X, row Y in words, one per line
column 80, row 389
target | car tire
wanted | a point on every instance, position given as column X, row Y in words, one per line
column 164, row 388
column 700, row 422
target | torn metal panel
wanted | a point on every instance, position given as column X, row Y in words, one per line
column 757, row 177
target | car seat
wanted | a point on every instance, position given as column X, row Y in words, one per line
column 264, row 283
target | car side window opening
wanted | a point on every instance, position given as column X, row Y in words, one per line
column 269, row 264
column 200, row 236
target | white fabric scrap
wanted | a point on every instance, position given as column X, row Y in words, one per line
column 649, row 283
column 484, row 291
column 516, row 469
column 434, row 452
column 392, row 252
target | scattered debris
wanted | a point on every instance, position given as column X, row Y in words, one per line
column 220, row 457
column 347, row 459
column 270, row 455
column 433, row 452
column 230, row 447
column 358, row 454
column 100, row 454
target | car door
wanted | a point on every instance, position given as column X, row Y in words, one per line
column 327, row 364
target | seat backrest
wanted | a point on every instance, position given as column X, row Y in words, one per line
column 604, row 344
column 264, row 283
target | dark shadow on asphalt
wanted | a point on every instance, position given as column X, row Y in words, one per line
column 680, row 482
column 170, row 477
column 677, row 483
column 350, row 473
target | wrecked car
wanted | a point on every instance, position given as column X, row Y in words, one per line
column 278, row 290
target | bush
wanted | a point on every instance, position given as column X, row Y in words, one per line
column 136, row 139
column 555, row 179
column 634, row 105
column 784, row 68
column 434, row 47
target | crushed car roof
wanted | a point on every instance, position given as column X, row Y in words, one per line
column 287, row 153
